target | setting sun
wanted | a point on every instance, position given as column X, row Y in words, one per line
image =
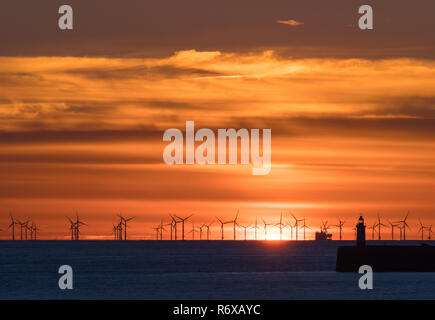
column 274, row 236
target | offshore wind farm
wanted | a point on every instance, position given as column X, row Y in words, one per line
column 286, row 227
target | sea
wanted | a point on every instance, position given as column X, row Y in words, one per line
column 184, row 270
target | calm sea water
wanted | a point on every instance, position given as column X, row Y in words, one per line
column 195, row 270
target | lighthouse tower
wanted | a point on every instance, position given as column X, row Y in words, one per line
column 360, row 233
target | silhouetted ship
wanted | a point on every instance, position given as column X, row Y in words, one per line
column 384, row 258
column 323, row 236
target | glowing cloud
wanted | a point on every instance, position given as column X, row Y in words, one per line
column 290, row 22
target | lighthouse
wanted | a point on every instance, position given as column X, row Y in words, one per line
column 360, row 233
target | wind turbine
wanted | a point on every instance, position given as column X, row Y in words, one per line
column 182, row 223
column 296, row 224
column 208, row 229
column 171, row 224
column 78, row 223
column 72, row 227
column 422, row 228
column 174, row 221
column 379, row 225
column 340, row 226
column 400, row 228
column 26, row 227
column 290, row 226
column 430, row 232
column 161, row 229
column 13, row 223
column 245, row 228
column 234, row 222
column 222, row 228
column 22, row 225
column 35, row 230
column 193, row 231
column 200, row 231
column 265, row 228
column 157, row 231
column 280, row 225
column 392, row 229
column 125, row 220
column 119, row 231
column 115, row 231
column 305, row 227
column 404, row 225
column 31, row 231
column 373, row 227
column 120, row 227
column 354, row 229
column 256, row 227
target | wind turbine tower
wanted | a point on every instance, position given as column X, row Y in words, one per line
column 296, row 224
column 379, row 225
column 404, row 225
column 340, row 226
column 304, row 226
column 422, row 228
column 13, row 223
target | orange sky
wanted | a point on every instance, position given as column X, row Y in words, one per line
column 353, row 127
column 86, row 134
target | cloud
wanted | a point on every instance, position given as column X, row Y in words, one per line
column 90, row 129
column 290, row 22
column 123, row 95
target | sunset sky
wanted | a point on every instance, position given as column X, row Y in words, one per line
column 82, row 112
